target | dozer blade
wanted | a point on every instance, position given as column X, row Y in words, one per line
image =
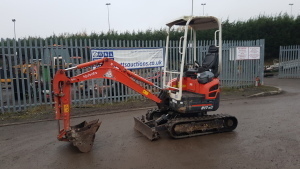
column 146, row 128
column 82, row 135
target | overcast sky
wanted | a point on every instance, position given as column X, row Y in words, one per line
column 47, row 17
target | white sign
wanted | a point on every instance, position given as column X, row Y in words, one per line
column 242, row 53
column 132, row 58
column 247, row 53
column 254, row 52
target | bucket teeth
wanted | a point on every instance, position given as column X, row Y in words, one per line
column 82, row 135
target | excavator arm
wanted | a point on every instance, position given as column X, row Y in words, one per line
column 83, row 134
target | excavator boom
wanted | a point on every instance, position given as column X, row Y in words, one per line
column 83, row 134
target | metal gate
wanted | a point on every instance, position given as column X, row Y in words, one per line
column 289, row 62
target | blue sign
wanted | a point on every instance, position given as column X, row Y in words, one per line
column 96, row 54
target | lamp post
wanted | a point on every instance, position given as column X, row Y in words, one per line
column 203, row 4
column 14, row 21
column 15, row 50
column 291, row 8
column 107, row 4
column 192, row 7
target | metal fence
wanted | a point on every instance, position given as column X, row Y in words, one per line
column 28, row 66
column 289, row 62
column 241, row 73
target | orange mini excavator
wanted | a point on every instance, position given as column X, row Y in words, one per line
column 183, row 102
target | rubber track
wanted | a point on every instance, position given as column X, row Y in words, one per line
column 210, row 120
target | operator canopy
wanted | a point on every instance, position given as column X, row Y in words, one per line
column 197, row 23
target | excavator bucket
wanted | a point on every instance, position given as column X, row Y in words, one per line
column 146, row 128
column 82, row 135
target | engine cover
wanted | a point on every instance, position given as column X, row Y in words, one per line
column 194, row 103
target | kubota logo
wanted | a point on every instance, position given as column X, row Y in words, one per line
column 89, row 75
column 108, row 74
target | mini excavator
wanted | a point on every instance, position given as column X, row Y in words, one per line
column 182, row 103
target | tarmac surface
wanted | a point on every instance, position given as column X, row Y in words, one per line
column 267, row 136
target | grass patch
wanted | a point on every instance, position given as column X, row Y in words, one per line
column 105, row 105
column 38, row 112
column 247, row 91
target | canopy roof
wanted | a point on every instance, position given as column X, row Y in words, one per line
column 197, row 22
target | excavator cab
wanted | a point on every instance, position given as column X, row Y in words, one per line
column 189, row 55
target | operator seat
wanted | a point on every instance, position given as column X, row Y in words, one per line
column 209, row 65
column 209, row 68
column 211, row 61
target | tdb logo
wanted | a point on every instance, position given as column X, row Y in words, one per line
column 102, row 54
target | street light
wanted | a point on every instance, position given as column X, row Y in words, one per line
column 203, row 7
column 291, row 8
column 192, row 7
column 14, row 21
column 15, row 50
column 107, row 4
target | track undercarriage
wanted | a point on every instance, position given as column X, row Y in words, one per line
column 183, row 126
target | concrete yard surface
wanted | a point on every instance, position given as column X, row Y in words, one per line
column 267, row 136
